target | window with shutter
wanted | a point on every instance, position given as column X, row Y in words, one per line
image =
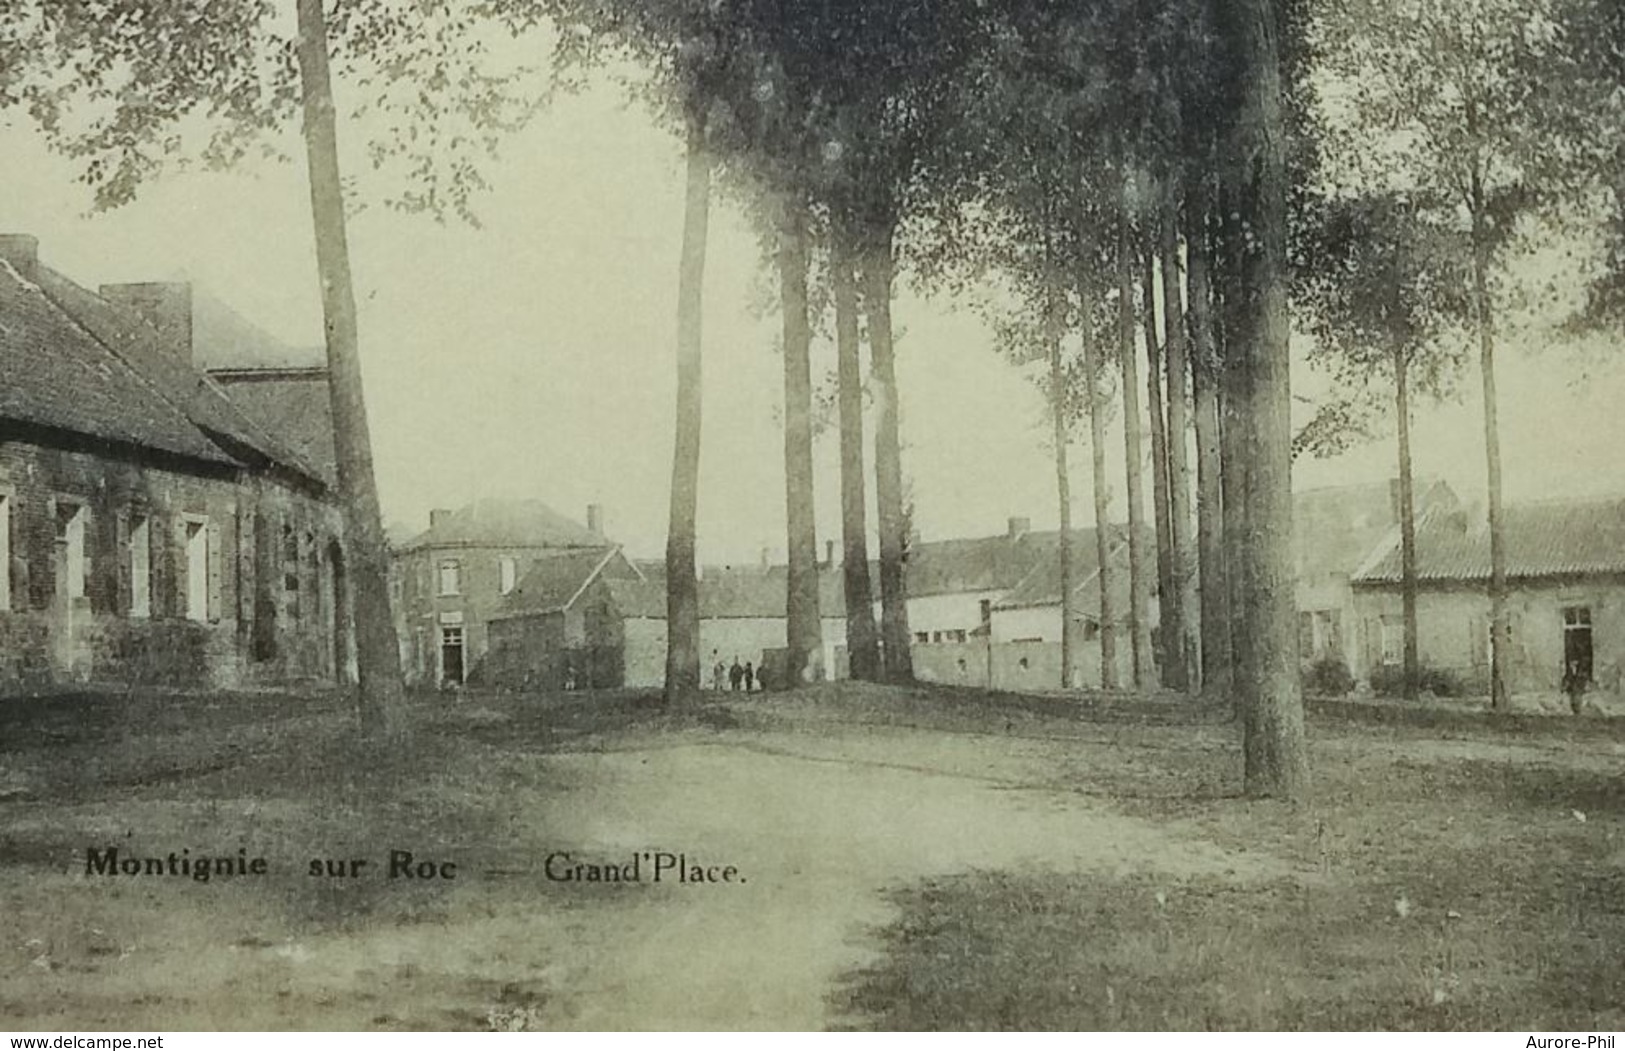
column 139, row 562
column 72, row 521
column 1393, row 641
column 5, row 551
column 215, row 567
column 195, row 534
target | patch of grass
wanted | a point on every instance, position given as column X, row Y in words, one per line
column 1435, row 884
column 1031, row 951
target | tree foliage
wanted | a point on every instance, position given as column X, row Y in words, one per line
column 129, row 90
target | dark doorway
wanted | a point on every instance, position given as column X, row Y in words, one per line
column 451, row 656
column 1577, row 641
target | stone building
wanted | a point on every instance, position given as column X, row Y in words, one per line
column 151, row 531
column 454, row 577
column 1334, row 531
column 600, row 621
column 561, row 628
column 1565, row 597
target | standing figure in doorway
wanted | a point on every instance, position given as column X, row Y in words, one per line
column 1574, row 684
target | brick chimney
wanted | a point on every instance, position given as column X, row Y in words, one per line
column 595, row 519
column 165, row 305
column 22, row 252
column 438, row 517
column 1018, row 526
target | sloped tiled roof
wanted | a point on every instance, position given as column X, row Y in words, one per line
column 506, row 523
column 639, row 599
column 1042, row 585
column 989, row 563
column 1567, row 538
column 553, row 581
column 130, row 337
column 293, row 404
column 730, row 593
column 56, row 372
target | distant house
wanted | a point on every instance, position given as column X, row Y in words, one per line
column 1334, row 530
column 1029, row 616
column 953, row 584
column 1566, row 596
column 561, row 627
column 152, row 530
column 605, row 624
column 987, row 610
column 451, row 579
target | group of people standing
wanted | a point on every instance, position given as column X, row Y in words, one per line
column 737, row 676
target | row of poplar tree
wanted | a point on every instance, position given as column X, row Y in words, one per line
column 1367, row 169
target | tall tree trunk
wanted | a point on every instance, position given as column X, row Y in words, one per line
column 682, row 583
column 378, row 653
column 1171, row 625
column 1235, row 448
column 1276, row 758
column 1106, row 574
column 1134, row 464
column 1179, row 477
column 862, row 638
column 1063, row 490
column 1210, row 539
column 894, row 519
column 803, row 629
column 1407, row 526
column 1500, row 627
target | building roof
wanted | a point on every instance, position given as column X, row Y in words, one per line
column 1557, row 538
column 57, row 372
column 1042, row 584
column 293, row 403
column 729, row 594
column 504, row 523
column 989, row 563
column 1334, row 528
column 77, row 361
column 639, row 599
column 554, row 581
column 129, row 336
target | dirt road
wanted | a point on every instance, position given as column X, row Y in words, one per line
column 819, row 814
column 819, row 827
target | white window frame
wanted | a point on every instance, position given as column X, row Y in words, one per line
column 456, row 578
column 1390, row 642
column 74, row 537
column 507, row 574
column 195, row 532
column 140, row 560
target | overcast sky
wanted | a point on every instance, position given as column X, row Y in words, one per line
column 534, row 357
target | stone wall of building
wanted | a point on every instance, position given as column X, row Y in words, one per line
column 1007, row 665
column 1453, row 632
column 242, row 588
